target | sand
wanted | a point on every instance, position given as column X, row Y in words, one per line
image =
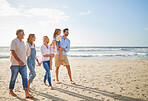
column 108, row 80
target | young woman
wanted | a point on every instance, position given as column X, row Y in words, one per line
column 46, row 55
column 31, row 57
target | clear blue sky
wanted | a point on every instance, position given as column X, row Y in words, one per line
column 91, row 22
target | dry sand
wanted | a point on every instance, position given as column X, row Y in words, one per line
column 108, row 80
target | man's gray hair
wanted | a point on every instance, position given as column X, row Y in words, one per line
column 19, row 31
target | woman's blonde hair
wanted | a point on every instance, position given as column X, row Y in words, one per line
column 56, row 32
column 29, row 39
column 47, row 38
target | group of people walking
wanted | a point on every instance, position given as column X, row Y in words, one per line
column 23, row 56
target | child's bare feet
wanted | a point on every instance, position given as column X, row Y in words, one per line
column 12, row 93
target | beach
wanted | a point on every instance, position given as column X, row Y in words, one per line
column 96, row 79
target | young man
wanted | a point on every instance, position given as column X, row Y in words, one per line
column 18, row 63
column 65, row 46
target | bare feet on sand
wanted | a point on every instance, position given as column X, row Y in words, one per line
column 27, row 94
column 57, row 82
column 12, row 93
column 45, row 84
column 51, row 87
column 72, row 82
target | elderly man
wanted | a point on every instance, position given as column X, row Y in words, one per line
column 18, row 63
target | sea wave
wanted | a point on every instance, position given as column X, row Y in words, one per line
column 100, row 52
column 2, row 57
column 109, row 55
column 107, row 49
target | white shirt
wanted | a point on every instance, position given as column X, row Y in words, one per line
column 20, row 50
column 28, row 50
column 46, row 51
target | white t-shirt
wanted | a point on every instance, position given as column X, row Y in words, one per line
column 46, row 51
column 20, row 50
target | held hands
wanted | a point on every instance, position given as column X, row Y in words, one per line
column 39, row 64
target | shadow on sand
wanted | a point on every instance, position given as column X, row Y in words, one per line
column 84, row 97
column 105, row 93
column 47, row 96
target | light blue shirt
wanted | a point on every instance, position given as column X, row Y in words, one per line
column 64, row 44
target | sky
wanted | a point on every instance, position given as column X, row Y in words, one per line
column 90, row 22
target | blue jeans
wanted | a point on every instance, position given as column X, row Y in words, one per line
column 46, row 65
column 32, row 73
column 14, row 72
column 31, row 64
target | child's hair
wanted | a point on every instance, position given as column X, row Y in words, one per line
column 47, row 38
column 29, row 39
column 56, row 32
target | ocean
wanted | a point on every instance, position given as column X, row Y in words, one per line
column 95, row 53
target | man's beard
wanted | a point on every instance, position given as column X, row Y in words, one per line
column 66, row 34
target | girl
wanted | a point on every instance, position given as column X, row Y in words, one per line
column 31, row 57
column 46, row 55
column 57, row 39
